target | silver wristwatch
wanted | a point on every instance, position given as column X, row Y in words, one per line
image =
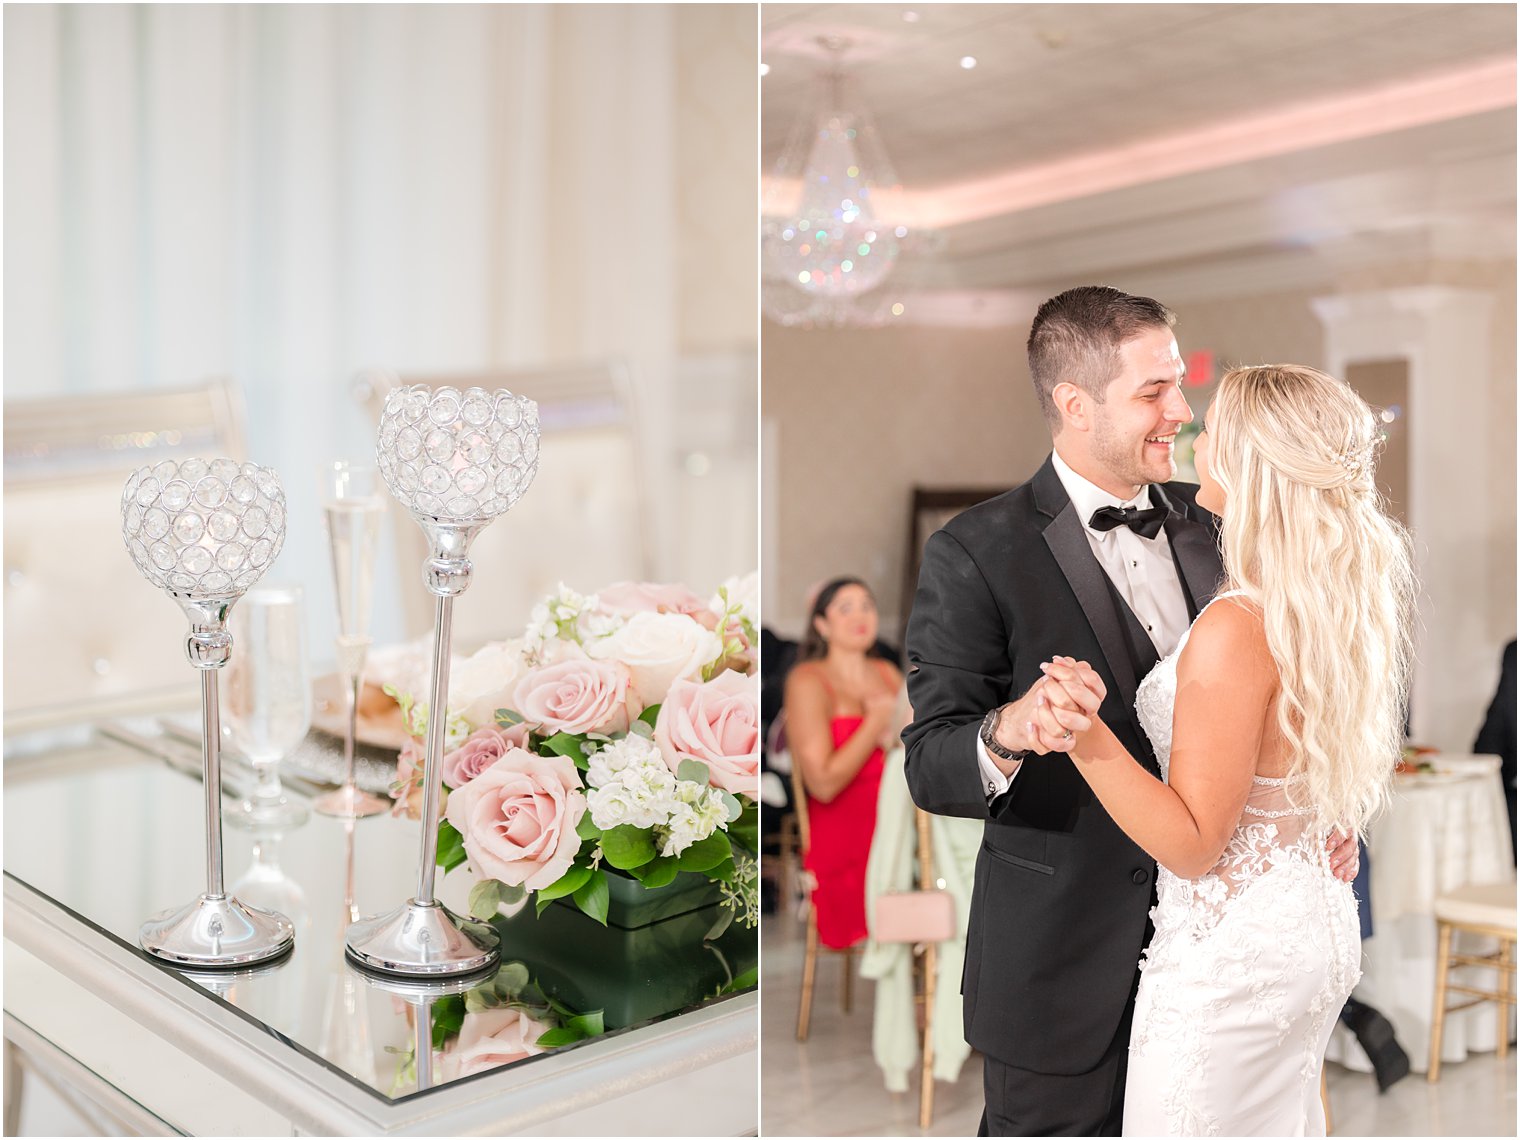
column 990, row 742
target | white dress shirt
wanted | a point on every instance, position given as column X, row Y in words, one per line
column 1141, row 569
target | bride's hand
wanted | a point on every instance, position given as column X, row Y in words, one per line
column 1067, row 704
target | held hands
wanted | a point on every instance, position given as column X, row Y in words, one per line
column 1055, row 711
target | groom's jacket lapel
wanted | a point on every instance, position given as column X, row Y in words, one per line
column 1068, row 543
column 1193, row 550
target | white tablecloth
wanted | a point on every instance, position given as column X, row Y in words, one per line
column 1443, row 831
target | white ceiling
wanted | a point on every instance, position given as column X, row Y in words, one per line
column 1057, row 81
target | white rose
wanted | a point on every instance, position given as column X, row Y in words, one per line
column 483, row 683
column 660, row 649
column 743, row 592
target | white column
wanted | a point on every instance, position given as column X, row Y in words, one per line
column 1444, row 333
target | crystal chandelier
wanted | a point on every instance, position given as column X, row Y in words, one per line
column 827, row 244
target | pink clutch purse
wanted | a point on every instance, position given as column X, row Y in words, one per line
column 915, row 916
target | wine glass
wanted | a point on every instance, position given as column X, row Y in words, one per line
column 268, row 700
column 352, row 507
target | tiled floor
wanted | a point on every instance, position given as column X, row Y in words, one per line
column 830, row 1086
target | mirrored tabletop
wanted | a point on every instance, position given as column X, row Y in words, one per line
column 113, row 832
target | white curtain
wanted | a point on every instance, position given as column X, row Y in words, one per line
column 286, row 194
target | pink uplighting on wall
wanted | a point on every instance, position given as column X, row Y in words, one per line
column 1342, row 118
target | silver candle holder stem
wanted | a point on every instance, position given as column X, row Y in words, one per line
column 456, row 461
column 204, row 531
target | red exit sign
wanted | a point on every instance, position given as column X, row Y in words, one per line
column 1200, row 368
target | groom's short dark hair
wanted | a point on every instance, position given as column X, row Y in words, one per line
column 1076, row 336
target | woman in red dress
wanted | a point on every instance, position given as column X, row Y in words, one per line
column 839, row 719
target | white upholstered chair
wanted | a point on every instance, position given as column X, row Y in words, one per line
column 84, row 635
column 584, row 521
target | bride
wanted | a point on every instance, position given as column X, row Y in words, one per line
column 1278, row 717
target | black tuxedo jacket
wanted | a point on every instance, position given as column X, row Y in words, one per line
column 1061, row 897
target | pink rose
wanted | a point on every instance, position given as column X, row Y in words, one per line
column 488, row 1039
column 629, row 598
column 717, row 723
column 481, row 749
column 518, row 819
column 578, row 695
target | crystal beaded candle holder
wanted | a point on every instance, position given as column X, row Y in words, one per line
column 456, row 460
column 204, row 531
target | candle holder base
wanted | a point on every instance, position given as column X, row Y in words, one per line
column 216, row 932
column 417, row 940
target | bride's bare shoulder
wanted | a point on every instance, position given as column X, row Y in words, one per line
column 1229, row 635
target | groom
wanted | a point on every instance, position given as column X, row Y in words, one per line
column 1099, row 557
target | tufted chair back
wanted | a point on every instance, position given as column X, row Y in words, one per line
column 583, row 521
column 84, row 635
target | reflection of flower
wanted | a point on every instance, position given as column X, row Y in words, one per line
column 659, row 649
column 407, row 790
column 718, row 723
column 518, row 819
column 577, row 695
column 490, row 1038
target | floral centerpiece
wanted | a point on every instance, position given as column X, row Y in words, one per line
column 619, row 735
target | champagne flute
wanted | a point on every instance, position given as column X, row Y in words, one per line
column 268, row 700
column 352, row 507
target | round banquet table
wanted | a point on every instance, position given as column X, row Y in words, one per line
column 1444, row 830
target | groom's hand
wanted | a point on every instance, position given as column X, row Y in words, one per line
column 1016, row 727
column 1345, row 858
column 1068, row 705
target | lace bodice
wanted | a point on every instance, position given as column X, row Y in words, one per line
column 1248, row 965
column 1271, row 828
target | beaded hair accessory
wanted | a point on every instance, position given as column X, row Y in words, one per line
column 1357, row 462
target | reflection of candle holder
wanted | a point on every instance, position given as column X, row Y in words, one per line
column 204, row 532
column 455, row 460
column 420, row 994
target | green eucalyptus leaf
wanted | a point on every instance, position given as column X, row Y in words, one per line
column 513, row 894
column 626, row 847
column 731, row 805
column 511, row 979
column 644, row 728
column 485, row 899
column 594, row 896
column 695, row 771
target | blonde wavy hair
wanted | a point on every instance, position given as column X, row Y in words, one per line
column 1306, row 536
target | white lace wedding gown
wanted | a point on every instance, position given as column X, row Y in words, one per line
column 1248, row 968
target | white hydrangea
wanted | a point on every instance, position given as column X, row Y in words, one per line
column 631, row 784
column 696, row 813
column 612, row 758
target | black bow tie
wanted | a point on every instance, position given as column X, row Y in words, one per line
column 1146, row 523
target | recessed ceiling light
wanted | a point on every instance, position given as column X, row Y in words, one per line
column 968, row 61
column 910, row 17
column 765, row 69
